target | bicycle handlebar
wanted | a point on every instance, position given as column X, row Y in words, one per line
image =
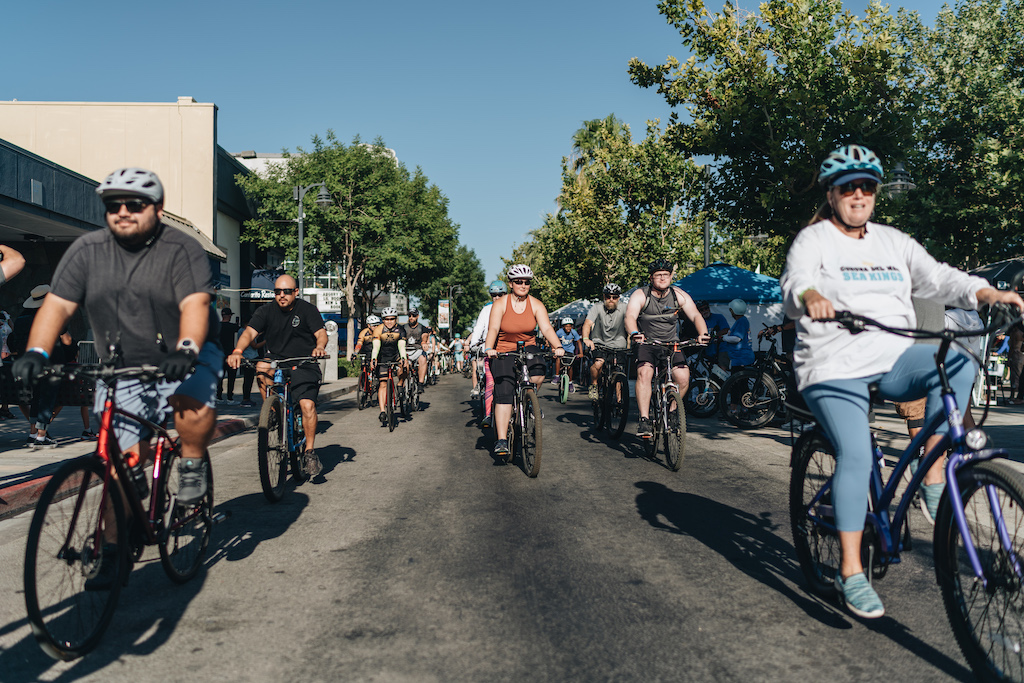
column 146, row 373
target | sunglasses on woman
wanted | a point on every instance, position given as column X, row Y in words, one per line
column 520, row 282
column 868, row 187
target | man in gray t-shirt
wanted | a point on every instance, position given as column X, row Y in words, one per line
column 148, row 288
column 605, row 325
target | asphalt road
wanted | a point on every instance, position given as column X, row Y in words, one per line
column 413, row 557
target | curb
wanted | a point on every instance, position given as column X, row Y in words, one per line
column 22, row 496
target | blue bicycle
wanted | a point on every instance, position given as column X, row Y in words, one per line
column 280, row 439
column 979, row 534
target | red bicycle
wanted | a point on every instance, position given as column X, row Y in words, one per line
column 81, row 524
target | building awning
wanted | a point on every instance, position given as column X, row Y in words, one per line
column 188, row 228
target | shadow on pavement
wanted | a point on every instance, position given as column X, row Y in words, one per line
column 751, row 544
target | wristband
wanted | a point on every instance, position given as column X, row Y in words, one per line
column 634, row 333
column 237, row 351
column 39, row 350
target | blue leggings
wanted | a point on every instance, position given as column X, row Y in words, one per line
column 841, row 407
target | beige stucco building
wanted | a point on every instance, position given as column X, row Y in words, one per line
column 177, row 140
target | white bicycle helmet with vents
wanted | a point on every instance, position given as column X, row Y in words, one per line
column 373, row 321
column 566, row 321
column 132, row 181
column 850, row 162
column 520, row 270
column 389, row 312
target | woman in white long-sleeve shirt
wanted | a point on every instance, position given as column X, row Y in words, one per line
column 840, row 261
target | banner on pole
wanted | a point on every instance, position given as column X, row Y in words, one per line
column 443, row 314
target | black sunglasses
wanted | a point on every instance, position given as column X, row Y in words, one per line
column 611, row 296
column 520, row 282
column 290, row 290
column 133, row 205
column 868, row 187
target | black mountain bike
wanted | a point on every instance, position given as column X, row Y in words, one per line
column 611, row 409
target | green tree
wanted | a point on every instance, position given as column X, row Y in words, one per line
column 385, row 225
column 968, row 162
column 768, row 95
column 465, row 279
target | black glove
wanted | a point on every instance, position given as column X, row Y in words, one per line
column 29, row 367
column 176, row 366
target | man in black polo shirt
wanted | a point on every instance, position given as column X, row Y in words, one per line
column 292, row 328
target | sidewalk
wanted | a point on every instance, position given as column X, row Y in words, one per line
column 24, row 472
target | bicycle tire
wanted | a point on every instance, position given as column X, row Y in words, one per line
column 674, row 424
column 414, row 395
column 405, row 402
column 702, row 397
column 563, row 388
column 294, row 454
column 271, row 449
column 599, row 410
column 531, row 443
column 187, row 529
column 651, row 444
column 987, row 621
column 61, row 553
column 617, row 405
column 360, row 391
column 817, row 547
column 391, row 405
column 759, row 399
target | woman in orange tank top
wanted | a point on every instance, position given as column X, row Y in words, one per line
column 514, row 319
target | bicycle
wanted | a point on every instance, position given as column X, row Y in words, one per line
column 564, row 383
column 67, row 546
column 979, row 533
column 668, row 418
column 365, row 389
column 611, row 409
column 524, row 426
column 705, row 388
column 762, row 388
column 394, row 401
column 280, row 439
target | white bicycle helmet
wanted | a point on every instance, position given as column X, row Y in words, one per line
column 566, row 321
column 389, row 312
column 373, row 320
column 850, row 162
column 132, row 181
column 738, row 306
column 520, row 270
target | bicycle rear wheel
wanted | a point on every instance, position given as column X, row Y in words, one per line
column 617, row 405
column 674, row 424
column 811, row 514
column 988, row 621
column 701, row 397
column 186, row 532
column 531, row 437
column 361, row 391
column 756, row 396
column 272, row 448
column 64, row 549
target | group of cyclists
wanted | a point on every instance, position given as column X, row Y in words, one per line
column 147, row 292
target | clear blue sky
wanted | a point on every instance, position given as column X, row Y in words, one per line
column 483, row 96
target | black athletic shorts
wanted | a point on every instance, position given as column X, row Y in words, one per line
column 306, row 380
column 503, row 371
column 646, row 353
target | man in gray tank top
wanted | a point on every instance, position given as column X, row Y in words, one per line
column 652, row 315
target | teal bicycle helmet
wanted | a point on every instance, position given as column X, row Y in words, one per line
column 850, row 162
column 497, row 287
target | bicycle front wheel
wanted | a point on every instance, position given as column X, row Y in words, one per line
column 361, row 392
column 674, row 424
column 272, row 448
column 531, row 437
column 749, row 399
column 617, row 405
column 65, row 548
column 811, row 513
column 187, row 528
column 987, row 620
column 702, row 396
column 563, row 388
column 391, row 406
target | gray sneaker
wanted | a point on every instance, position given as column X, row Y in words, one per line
column 645, row 429
column 192, row 481
column 311, row 464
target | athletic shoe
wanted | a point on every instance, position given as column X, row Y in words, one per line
column 30, row 442
column 231, row 402
column 645, row 428
column 104, row 578
column 383, row 418
column 572, row 388
column 486, row 422
column 6, row 414
column 931, row 494
column 45, row 442
column 246, row 404
column 592, row 392
column 192, row 485
column 474, row 393
column 859, row 596
column 501, row 448
column 90, row 435
column 311, row 463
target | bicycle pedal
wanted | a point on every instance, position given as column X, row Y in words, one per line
column 221, row 516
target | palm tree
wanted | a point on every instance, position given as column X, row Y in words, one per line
column 594, row 135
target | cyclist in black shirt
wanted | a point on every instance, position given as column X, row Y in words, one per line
column 292, row 328
column 416, row 336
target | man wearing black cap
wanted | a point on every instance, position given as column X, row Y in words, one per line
column 228, row 334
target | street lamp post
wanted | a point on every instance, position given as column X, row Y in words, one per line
column 901, row 183
column 323, row 200
column 457, row 291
